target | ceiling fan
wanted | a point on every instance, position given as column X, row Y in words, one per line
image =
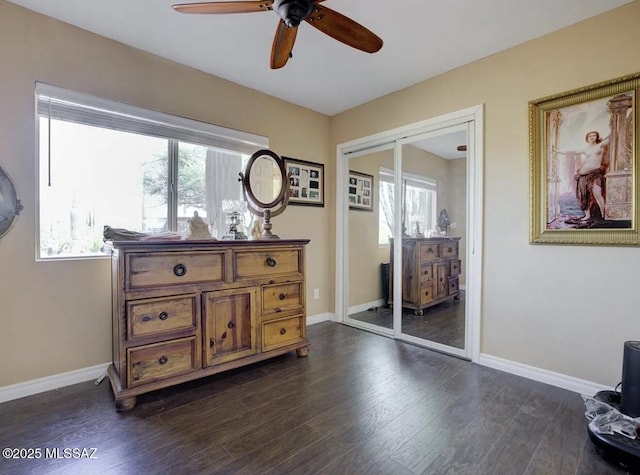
column 292, row 13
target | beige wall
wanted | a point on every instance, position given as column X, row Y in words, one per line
column 55, row 316
column 566, row 309
column 365, row 255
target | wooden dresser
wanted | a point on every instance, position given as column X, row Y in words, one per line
column 187, row 309
column 430, row 270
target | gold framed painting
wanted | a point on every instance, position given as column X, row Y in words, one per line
column 583, row 165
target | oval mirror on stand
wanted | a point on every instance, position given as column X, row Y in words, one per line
column 265, row 186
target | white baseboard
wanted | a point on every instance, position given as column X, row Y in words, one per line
column 35, row 386
column 365, row 306
column 40, row 385
column 559, row 380
column 321, row 317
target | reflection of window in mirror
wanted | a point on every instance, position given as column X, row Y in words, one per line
column 266, row 179
column 420, row 203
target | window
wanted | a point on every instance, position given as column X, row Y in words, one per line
column 419, row 204
column 106, row 163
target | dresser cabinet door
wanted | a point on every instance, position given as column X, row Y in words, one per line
column 442, row 281
column 230, row 325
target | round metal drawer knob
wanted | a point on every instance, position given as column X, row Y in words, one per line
column 180, row 270
column 163, row 360
column 163, row 315
column 271, row 262
column 283, row 331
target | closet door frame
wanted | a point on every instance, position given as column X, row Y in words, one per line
column 472, row 117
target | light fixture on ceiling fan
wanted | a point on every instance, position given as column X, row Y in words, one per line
column 292, row 13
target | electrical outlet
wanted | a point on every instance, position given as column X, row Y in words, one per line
column 316, row 294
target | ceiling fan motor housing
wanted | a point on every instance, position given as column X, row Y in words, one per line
column 293, row 11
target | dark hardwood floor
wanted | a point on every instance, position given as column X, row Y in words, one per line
column 442, row 323
column 360, row 403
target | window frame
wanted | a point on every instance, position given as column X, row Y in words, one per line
column 52, row 102
column 386, row 175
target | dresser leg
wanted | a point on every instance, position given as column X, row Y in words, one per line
column 127, row 404
column 303, row 351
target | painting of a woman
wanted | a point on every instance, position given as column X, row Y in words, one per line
column 586, row 183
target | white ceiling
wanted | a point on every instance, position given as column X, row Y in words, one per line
column 422, row 38
column 445, row 145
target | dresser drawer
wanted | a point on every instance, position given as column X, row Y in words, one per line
column 426, row 273
column 267, row 263
column 426, row 294
column 454, row 268
column 453, row 286
column 155, row 317
column 283, row 332
column 173, row 268
column 162, row 360
column 429, row 251
column 280, row 299
column 449, row 250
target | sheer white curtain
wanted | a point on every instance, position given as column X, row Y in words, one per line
column 223, row 169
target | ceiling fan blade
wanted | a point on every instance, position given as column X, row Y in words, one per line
column 225, row 7
column 282, row 46
column 344, row 29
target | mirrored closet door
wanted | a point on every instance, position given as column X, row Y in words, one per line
column 433, row 229
column 407, row 226
column 369, row 226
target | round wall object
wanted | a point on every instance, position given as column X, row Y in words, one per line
column 10, row 205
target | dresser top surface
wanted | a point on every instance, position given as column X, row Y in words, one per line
column 430, row 239
column 203, row 243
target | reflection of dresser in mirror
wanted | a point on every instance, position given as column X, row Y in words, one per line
column 430, row 272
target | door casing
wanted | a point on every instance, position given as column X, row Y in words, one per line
column 472, row 118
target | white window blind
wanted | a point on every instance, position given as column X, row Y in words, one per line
column 58, row 103
column 427, row 183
